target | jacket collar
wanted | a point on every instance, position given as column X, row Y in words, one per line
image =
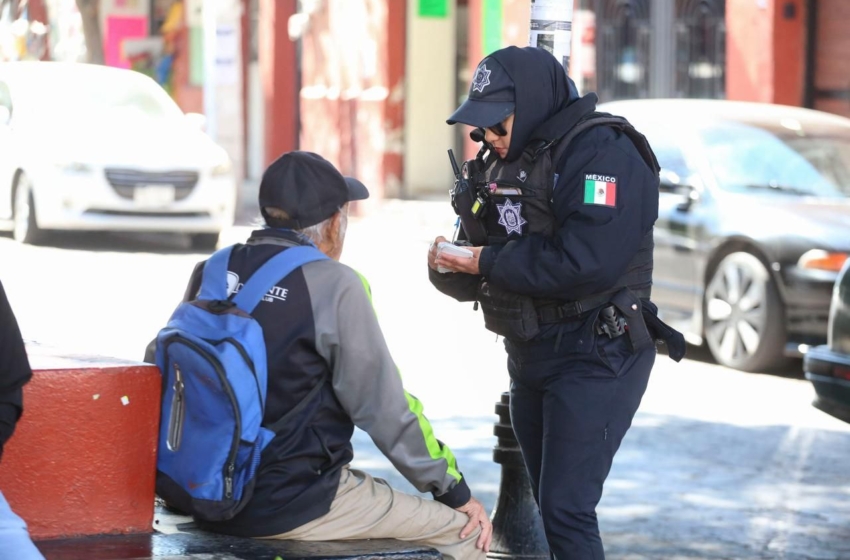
column 279, row 236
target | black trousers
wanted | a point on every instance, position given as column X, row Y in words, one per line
column 571, row 405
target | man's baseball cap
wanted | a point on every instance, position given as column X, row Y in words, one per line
column 308, row 188
column 491, row 97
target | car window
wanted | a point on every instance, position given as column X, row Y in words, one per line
column 747, row 158
column 668, row 152
column 102, row 94
column 830, row 156
column 671, row 158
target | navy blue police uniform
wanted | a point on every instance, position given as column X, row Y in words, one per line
column 565, row 277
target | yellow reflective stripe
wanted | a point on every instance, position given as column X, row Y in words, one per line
column 366, row 286
column 436, row 450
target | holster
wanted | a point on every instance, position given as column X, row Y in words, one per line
column 508, row 314
column 674, row 340
column 631, row 307
column 644, row 326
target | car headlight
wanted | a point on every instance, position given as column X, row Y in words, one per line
column 818, row 259
column 74, row 167
column 223, row 168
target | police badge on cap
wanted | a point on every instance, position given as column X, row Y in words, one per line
column 481, row 79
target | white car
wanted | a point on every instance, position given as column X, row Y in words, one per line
column 86, row 147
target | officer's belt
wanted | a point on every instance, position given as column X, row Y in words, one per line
column 555, row 313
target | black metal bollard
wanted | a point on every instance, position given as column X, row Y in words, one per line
column 517, row 527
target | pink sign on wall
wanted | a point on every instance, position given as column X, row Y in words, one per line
column 117, row 30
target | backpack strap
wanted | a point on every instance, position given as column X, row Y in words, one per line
column 214, row 279
column 554, row 128
column 272, row 272
column 604, row 119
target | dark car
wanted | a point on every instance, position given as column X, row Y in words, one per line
column 828, row 366
column 754, row 223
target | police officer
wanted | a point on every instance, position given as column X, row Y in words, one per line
column 558, row 211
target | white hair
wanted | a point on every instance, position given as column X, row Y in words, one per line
column 316, row 232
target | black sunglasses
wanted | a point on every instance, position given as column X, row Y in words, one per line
column 498, row 129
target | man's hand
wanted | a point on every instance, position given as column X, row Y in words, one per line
column 461, row 264
column 432, row 252
column 477, row 518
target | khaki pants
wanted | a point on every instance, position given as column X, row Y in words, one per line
column 368, row 508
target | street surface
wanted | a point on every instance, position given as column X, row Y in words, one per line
column 719, row 464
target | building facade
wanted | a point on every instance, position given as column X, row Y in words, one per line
column 793, row 52
column 369, row 83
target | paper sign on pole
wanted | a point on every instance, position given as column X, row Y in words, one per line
column 227, row 51
column 551, row 27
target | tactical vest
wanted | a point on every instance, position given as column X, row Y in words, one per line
column 519, row 198
column 518, row 201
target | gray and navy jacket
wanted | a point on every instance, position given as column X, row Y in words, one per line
column 320, row 328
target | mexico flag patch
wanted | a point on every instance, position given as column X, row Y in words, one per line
column 600, row 189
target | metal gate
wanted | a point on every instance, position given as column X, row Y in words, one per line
column 700, row 49
column 623, row 49
column 828, row 79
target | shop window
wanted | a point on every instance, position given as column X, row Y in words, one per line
column 623, row 49
column 159, row 14
column 700, row 49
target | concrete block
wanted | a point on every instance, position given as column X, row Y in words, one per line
column 83, row 458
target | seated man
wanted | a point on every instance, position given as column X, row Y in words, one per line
column 318, row 323
column 15, row 543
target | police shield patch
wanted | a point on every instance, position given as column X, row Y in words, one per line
column 510, row 216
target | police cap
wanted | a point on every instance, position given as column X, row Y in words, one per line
column 491, row 97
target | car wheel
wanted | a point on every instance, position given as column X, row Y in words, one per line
column 25, row 226
column 744, row 319
column 204, row 241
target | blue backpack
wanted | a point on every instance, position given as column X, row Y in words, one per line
column 213, row 362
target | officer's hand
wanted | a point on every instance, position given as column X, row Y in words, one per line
column 432, row 252
column 461, row 264
column 477, row 518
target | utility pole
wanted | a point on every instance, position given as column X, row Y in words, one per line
column 209, row 15
column 551, row 28
column 90, row 14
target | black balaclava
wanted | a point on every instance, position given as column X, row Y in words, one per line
column 541, row 87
